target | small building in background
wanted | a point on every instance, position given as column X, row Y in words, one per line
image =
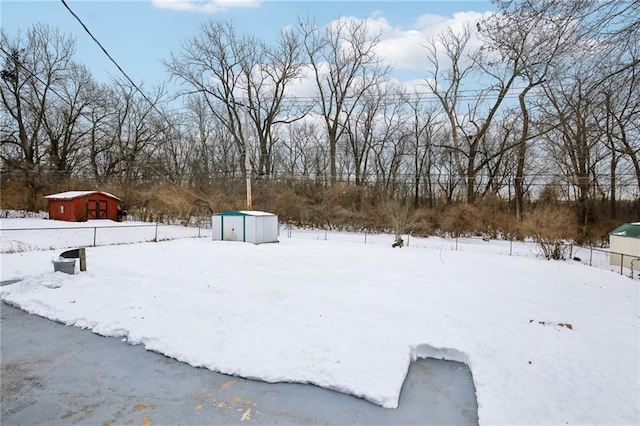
column 624, row 246
column 79, row 206
column 247, row 226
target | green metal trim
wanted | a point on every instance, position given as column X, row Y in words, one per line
column 628, row 230
column 230, row 214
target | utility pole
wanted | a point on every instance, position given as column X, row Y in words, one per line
column 247, row 161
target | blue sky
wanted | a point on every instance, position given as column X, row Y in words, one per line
column 138, row 34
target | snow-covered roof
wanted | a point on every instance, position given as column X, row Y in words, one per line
column 75, row 194
column 256, row 213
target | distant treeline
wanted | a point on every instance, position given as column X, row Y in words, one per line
column 536, row 104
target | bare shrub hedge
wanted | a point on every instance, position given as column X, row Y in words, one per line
column 344, row 206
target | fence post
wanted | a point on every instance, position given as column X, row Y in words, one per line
column 571, row 251
column 95, row 231
column 621, row 264
column 365, row 237
column 510, row 247
column 325, row 234
column 590, row 255
column 82, row 254
column 155, row 238
column 456, row 243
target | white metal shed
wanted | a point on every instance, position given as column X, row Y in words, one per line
column 624, row 243
column 247, row 226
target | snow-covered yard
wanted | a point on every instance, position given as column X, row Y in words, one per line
column 547, row 342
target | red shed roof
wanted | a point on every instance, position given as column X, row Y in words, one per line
column 75, row 194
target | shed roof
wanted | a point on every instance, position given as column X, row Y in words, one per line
column 245, row 213
column 69, row 195
column 630, row 230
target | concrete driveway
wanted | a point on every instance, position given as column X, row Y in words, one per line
column 53, row 375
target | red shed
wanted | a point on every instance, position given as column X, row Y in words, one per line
column 78, row 206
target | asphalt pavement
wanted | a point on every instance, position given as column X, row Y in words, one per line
column 52, row 374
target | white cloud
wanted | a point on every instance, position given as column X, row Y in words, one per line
column 305, row 87
column 428, row 20
column 405, row 48
column 204, row 6
column 402, row 48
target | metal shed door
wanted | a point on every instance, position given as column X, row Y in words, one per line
column 233, row 228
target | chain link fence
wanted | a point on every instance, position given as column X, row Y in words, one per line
column 19, row 240
column 602, row 258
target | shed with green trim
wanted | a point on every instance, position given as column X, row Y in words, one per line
column 624, row 246
column 246, row 226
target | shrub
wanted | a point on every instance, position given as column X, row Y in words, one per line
column 14, row 196
column 551, row 227
column 282, row 200
column 490, row 209
column 426, row 222
column 460, row 220
column 401, row 219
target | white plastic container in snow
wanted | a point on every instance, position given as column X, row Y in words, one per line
column 246, row 226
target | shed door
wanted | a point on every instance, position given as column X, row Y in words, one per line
column 233, row 228
column 96, row 209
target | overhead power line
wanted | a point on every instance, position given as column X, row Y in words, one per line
column 153, row 105
column 108, row 55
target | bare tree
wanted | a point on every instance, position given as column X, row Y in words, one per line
column 212, row 64
column 302, row 152
column 469, row 116
column 208, row 150
column 280, row 66
column 612, row 21
column 364, row 127
column 583, row 50
column 130, row 133
column 390, row 142
column 446, row 170
column 573, row 141
column 344, row 63
column 496, row 150
column 538, row 42
column 98, row 136
column 242, row 80
column 33, row 70
column 199, row 132
column 175, row 157
column 65, row 122
column 620, row 119
column 425, row 125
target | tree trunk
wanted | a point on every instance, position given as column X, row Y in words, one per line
column 612, row 201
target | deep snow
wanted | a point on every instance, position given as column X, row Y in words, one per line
column 547, row 342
